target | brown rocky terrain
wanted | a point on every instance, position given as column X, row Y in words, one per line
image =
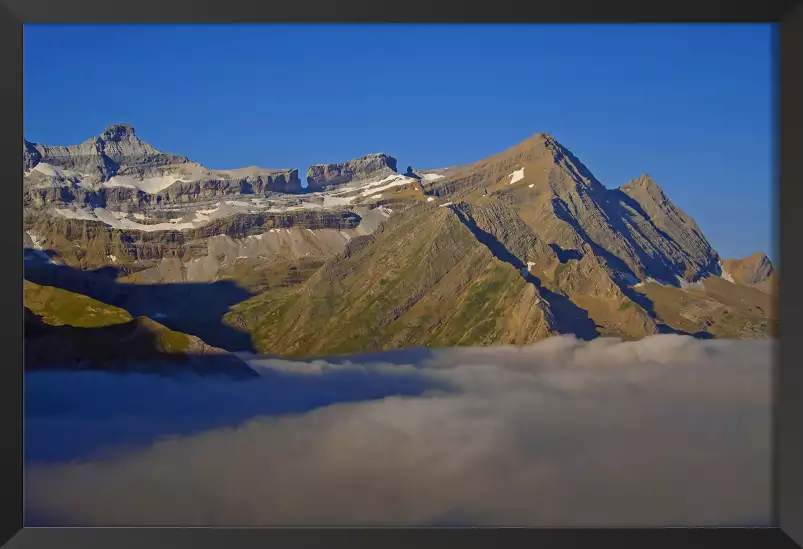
column 547, row 247
column 519, row 246
column 755, row 270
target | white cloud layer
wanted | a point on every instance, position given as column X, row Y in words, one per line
column 664, row 431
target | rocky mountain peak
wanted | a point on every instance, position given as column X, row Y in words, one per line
column 646, row 181
column 643, row 184
column 370, row 166
column 753, row 269
column 117, row 132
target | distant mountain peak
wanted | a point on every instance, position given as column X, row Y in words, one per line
column 646, row 180
column 643, row 182
column 542, row 136
column 760, row 257
column 750, row 270
column 380, row 164
column 539, row 139
column 116, row 132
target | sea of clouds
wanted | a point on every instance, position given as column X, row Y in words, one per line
column 665, row 431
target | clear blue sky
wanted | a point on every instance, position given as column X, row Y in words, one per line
column 692, row 105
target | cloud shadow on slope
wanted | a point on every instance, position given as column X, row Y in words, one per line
column 194, row 308
column 138, row 345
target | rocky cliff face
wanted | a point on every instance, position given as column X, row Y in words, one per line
column 91, row 244
column 117, row 169
column 521, row 245
column 524, row 244
column 116, row 150
column 372, row 166
column 755, row 270
column 636, row 228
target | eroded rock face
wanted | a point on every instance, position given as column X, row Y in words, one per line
column 646, row 199
column 117, row 168
column 89, row 244
column 321, row 176
column 751, row 270
column 115, row 151
column 510, row 249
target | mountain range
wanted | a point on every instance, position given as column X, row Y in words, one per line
column 513, row 248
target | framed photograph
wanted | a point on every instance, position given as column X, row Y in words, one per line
column 428, row 274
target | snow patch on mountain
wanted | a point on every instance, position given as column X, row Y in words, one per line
column 36, row 239
column 518, row 175
column 113, row 219
column 151, row 185
column 389, row 182
column 432, row 176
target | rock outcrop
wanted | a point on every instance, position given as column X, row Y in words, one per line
column 749, row 271
column 117, row 169
column 372, row 166
column 513, row 248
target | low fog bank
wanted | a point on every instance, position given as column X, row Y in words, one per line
column 668, row 430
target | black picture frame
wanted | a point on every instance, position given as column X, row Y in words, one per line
column 788, row 413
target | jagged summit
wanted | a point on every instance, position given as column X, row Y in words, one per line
column 116, row 132
column 644, row 181
column 538, row 140
column 644, row 186
column 105, row 169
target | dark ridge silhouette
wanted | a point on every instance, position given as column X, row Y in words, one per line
column 139, row 345
column 194, row 308
column 569, row 318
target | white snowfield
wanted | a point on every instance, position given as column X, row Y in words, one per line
column 194, row 215
column 684, row 285
column 75, row 214
column 445, row 204
column 37, row 241
column 151, row 185
column 55, row 171
column 115, row 220
column 432, row 176
column 518, row 175
column 385, row 184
